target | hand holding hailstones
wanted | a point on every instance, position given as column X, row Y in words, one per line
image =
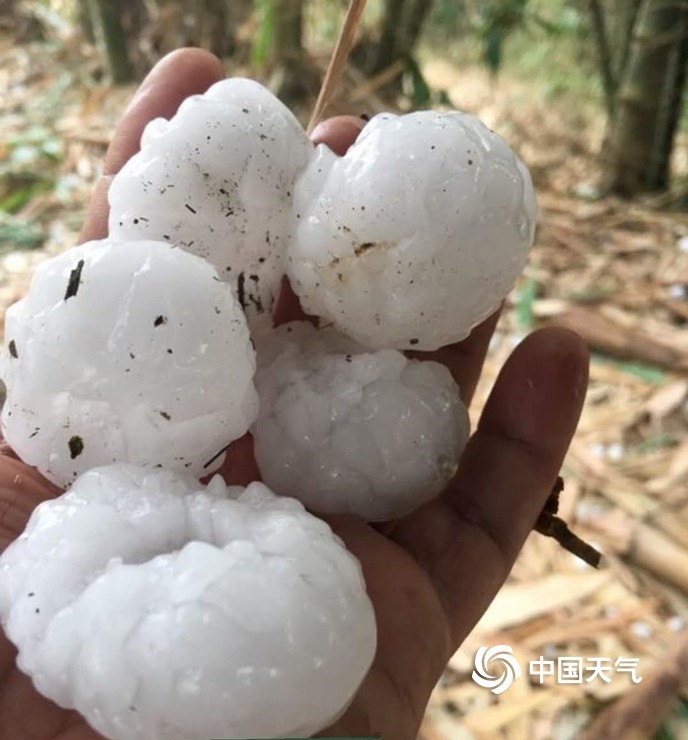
column 130, row 369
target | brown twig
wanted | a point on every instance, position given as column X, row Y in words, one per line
column 338, row 61
column 642, row 710
column 372, row 85
column 551, row 525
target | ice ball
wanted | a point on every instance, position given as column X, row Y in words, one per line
column 158, row 608
column 346, row 430
column 416, row 234
column 217, row 180
column 131, row 352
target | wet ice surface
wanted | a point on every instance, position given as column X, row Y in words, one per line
column 163, row 610
column 126, row 352
column 217, row 180
column 346, row 430
column 416, row 234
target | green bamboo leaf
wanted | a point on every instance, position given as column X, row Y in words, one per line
column 264, row 40
column 525, row 306
column 19, row 197
column 654, row 443
column 646, row 373
column 492, row 50
column 420, row 95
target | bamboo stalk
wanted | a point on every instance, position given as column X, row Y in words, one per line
column 338, row 60
column 605, row 56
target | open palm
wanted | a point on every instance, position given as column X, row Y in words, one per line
column 430, row 575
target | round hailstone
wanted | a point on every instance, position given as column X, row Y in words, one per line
column 217, row 180
column 131, row 352
column 350, row 431
column 414, row 236
column 159, row 609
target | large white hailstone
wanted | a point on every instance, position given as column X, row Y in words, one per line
column 416, row 234
column 160, row 609
column 346, row 430
column 217, row 180
column 131, row 352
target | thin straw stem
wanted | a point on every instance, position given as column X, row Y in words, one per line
column 338, row 60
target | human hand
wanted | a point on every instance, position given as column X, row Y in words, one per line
column 431, row 574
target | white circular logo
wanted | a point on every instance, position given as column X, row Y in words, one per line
column 511, row 670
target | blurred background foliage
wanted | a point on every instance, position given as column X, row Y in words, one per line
column 626, row 56
column 590, row 93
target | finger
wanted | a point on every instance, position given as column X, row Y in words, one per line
column 240, row 467
column 21, row 489
column 182, row 73
column 465, row 359
column 338, row 133
column 288, row 307
column 468, row 539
